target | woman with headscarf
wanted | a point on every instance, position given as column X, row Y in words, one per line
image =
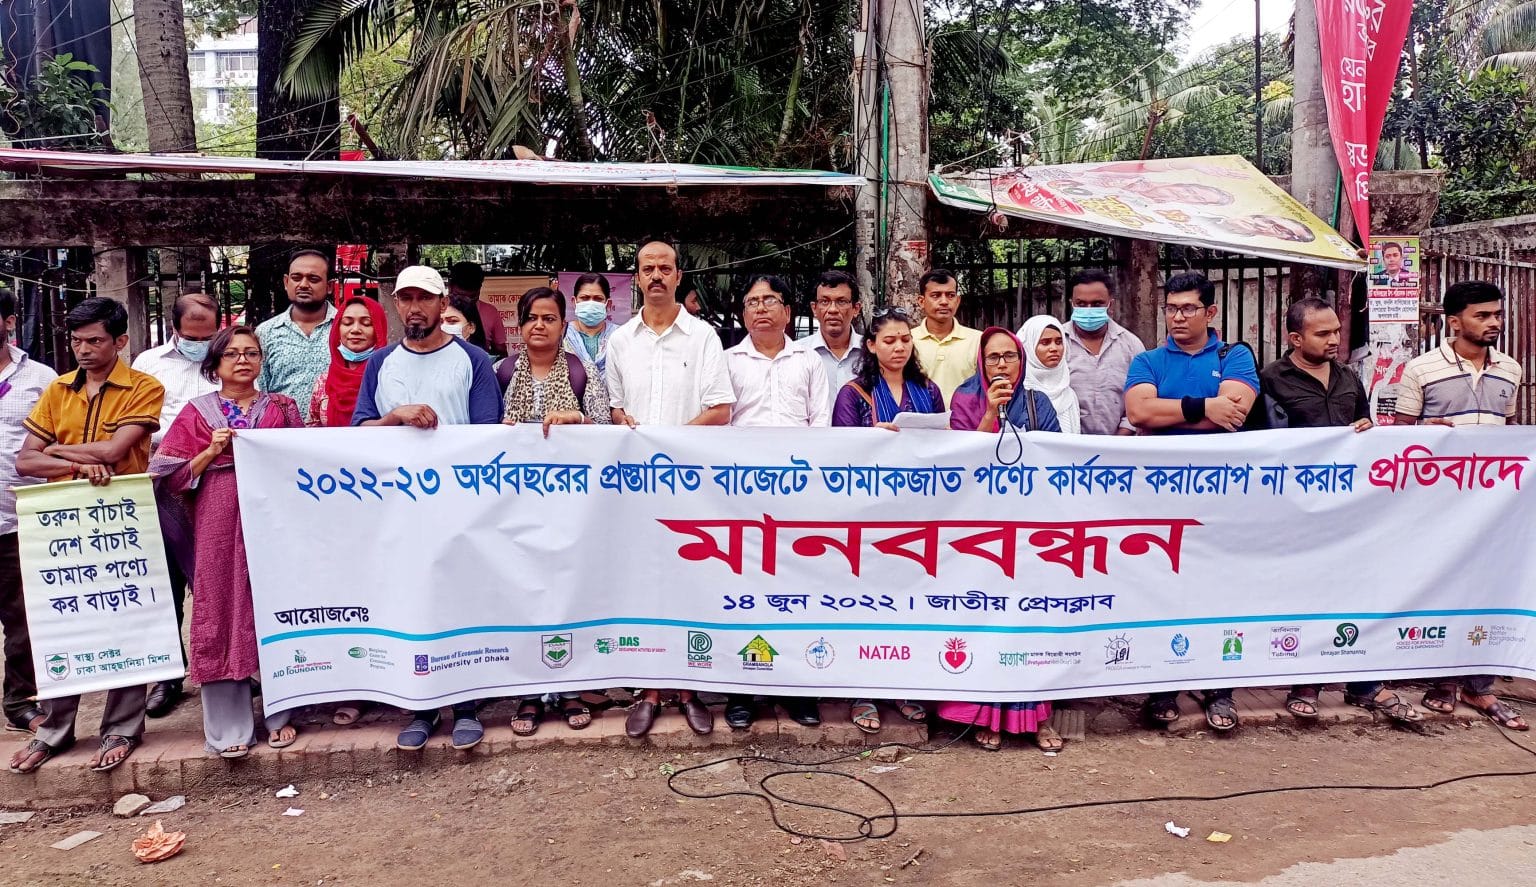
column 998, row 396
column 360, row 329
column 1045, row 369
column 197, row 463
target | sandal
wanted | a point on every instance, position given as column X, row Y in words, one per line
column 914, row 712
column 577, row 715
column 1501, row 713
column 347, row 715
column 1048, row 739
column 529, row 715
column 865, row 716
column 27, row 721
column 1302, row 705
column 989, row 740
column 30, row 749
column 234, row 752
column 275, row 737
column 110, row 745
column 1220, row 707
column 1393, row 706
column 1443, row 698
column 1161, row 711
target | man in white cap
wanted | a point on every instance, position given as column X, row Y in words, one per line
column 427, row 379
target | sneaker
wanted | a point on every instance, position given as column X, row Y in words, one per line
column 414, row 736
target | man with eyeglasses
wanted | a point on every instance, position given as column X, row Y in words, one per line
column 1100, row 352
column 92, row 424
column 946, row 349
column 296, row 343
column 1192, row 385
column 836, row 305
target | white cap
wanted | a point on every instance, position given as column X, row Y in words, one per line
column 423, row 278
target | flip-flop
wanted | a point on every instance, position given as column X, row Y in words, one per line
column 573, row 709
column 110, row 744
column 993, row 744
column 282, row 743
column 1048, row 739
column 1442, row 699
column 1295, row 699
column 913, row 711
column 531, row 713
column 864, row 711
column 235, row 752
column 347, row 715
column 32, row 748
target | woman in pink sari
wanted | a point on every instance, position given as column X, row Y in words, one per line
column 197, row 463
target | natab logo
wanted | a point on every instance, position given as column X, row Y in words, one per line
column 1346, row 633
column 1231, row 645
column 1179, row 645
column 1477, row 636
column 357, row 653
column 556, row 649
column 955, row 658
column 757, row 655
column 819, row 654
column 699, row 645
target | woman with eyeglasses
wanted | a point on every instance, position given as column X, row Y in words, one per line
column 198, row 464
column 889, row 381
column 1002, row 395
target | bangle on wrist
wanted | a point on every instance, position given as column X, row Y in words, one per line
column 1194, row 409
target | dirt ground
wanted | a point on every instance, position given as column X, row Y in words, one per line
column 606, row 816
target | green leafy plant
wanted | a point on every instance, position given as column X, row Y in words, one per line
column 59, row 108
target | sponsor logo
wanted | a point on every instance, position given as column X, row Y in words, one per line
column 1477, row 636
column 358, row 653
column 624, row 644
column 555, row 650
column 299, row 657
column 1285, row 642
column 1345, row 634
column 955, row 657
column 422, row 664
column 57, row 665
column 757, row 655
column 302, row 665
column 885, row 652
column 1117, row 651
column 1044, row 657
column 428, row 663
column 1179, row 645
column 603, row 645
column 819, row 653
column 1420, row 637
column 1231, row 645
column 378, row 658
column 1504, row 634
column 699, row 645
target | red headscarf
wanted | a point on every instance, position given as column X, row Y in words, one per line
column 343, row 379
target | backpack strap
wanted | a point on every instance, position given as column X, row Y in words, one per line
column 1029, row 404
column 578, row 373
column 874, row 414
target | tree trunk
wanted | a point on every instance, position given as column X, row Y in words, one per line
column 286, row 129
column 581, row 138
column 787, row 122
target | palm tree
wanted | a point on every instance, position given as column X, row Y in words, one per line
column 1159, row 94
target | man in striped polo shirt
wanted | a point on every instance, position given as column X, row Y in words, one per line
column 1466, row 381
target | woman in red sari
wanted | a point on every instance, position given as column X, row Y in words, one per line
column 360, row 329
column 197, row 463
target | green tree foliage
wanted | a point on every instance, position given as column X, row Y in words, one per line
column 59, row 108
column 1487, row 147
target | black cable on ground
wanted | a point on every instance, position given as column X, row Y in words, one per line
column 884, row 825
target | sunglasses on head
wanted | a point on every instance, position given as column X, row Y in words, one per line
column 895, row 311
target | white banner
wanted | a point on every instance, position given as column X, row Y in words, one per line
column 417, row 568
column 98, row 594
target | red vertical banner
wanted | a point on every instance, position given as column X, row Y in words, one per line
column 1362, row 46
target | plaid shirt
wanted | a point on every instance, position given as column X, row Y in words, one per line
column 291, row 361
column 27, row 379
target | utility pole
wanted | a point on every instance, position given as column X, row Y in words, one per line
column 1258, row 86
column 890, row 79
column 1315, row 178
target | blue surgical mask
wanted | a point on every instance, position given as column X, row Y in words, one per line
column 351, row 356
column 193, row 351
column 591, row 313
column 1090, row 319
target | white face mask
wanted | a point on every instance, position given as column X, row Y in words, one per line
column 454, row 329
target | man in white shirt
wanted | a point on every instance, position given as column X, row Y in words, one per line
column 666, row 367
column 22, row 381
column 836, row 305
column 178, row 365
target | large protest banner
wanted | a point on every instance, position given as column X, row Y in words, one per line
column 480, row 562
column 97, row 590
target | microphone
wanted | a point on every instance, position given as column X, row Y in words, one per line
column 998, row 377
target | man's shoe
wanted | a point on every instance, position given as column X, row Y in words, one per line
column 739, row 712
column 700, row 719
column 163, row 698
column 25, row 721
column 802, row 711
column 642, row 715
column 414, row 737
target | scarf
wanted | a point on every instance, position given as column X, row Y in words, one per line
column 559, row 396
column 343, row 379
column 1054, row 382
column 886, row 406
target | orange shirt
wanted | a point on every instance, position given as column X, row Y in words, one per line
column 65, row 415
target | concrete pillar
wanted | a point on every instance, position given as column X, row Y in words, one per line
column 1139, row 288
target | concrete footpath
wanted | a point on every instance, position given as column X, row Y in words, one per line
column 173, row 761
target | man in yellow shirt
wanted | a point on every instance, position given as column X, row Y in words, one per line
column 92, row 424
column 946, row 349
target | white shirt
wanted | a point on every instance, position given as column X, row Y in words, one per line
column 183, row 380
column 839, row 371
column 786, row 390
column 667, row 379
column 27, row 379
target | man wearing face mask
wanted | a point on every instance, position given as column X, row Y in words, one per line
column 178, row 365
column 1100, row 352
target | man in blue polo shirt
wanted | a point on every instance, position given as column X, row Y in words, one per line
column 1192, row 385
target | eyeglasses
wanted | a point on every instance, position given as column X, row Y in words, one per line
column 1183, row 310
column 251, row 355
column 997, row 360
column 313, row 279
column 834, row 303
column 769, row 302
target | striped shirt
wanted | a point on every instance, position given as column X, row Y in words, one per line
column 1443, row 385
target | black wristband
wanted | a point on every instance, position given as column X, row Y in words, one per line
column 1194, row 409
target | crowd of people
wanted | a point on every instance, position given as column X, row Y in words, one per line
column 175, row 411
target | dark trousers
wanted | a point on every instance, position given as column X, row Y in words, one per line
column 20, row 679
column 461, row 710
